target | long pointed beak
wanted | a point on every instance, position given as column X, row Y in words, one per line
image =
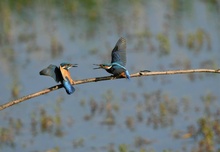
column 97, row 67
column 74, row 65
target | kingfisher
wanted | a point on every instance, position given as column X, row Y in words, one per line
column 118, row 61
column 61, row 74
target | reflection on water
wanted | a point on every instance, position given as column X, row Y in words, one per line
column 172, row 113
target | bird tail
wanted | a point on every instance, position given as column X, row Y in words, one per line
column 127, row 74
column 68, row 87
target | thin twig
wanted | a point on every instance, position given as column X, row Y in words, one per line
column 77, row 82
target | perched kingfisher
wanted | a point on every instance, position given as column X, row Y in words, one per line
column 61, row 74
column 117, row 65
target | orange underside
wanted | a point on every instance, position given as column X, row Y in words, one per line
column 123, row 75
column 65, row 73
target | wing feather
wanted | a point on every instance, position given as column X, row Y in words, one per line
column 119, row 52
column 52, row 71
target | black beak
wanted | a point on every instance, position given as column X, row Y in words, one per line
column 74, row 65
column 97, row 67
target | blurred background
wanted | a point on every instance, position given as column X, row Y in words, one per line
column 158, row 113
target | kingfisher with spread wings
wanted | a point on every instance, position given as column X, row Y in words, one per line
column 118, row 62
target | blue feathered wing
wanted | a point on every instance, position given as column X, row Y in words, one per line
column 119, row 52
column 52, row 71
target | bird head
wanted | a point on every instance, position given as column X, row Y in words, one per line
column 67, row 65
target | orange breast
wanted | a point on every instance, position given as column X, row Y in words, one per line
column 123, row 75
column 66, row 74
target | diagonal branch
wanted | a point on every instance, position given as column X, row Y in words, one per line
column 89, row 80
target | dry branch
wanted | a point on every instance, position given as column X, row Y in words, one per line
column 77, row 82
